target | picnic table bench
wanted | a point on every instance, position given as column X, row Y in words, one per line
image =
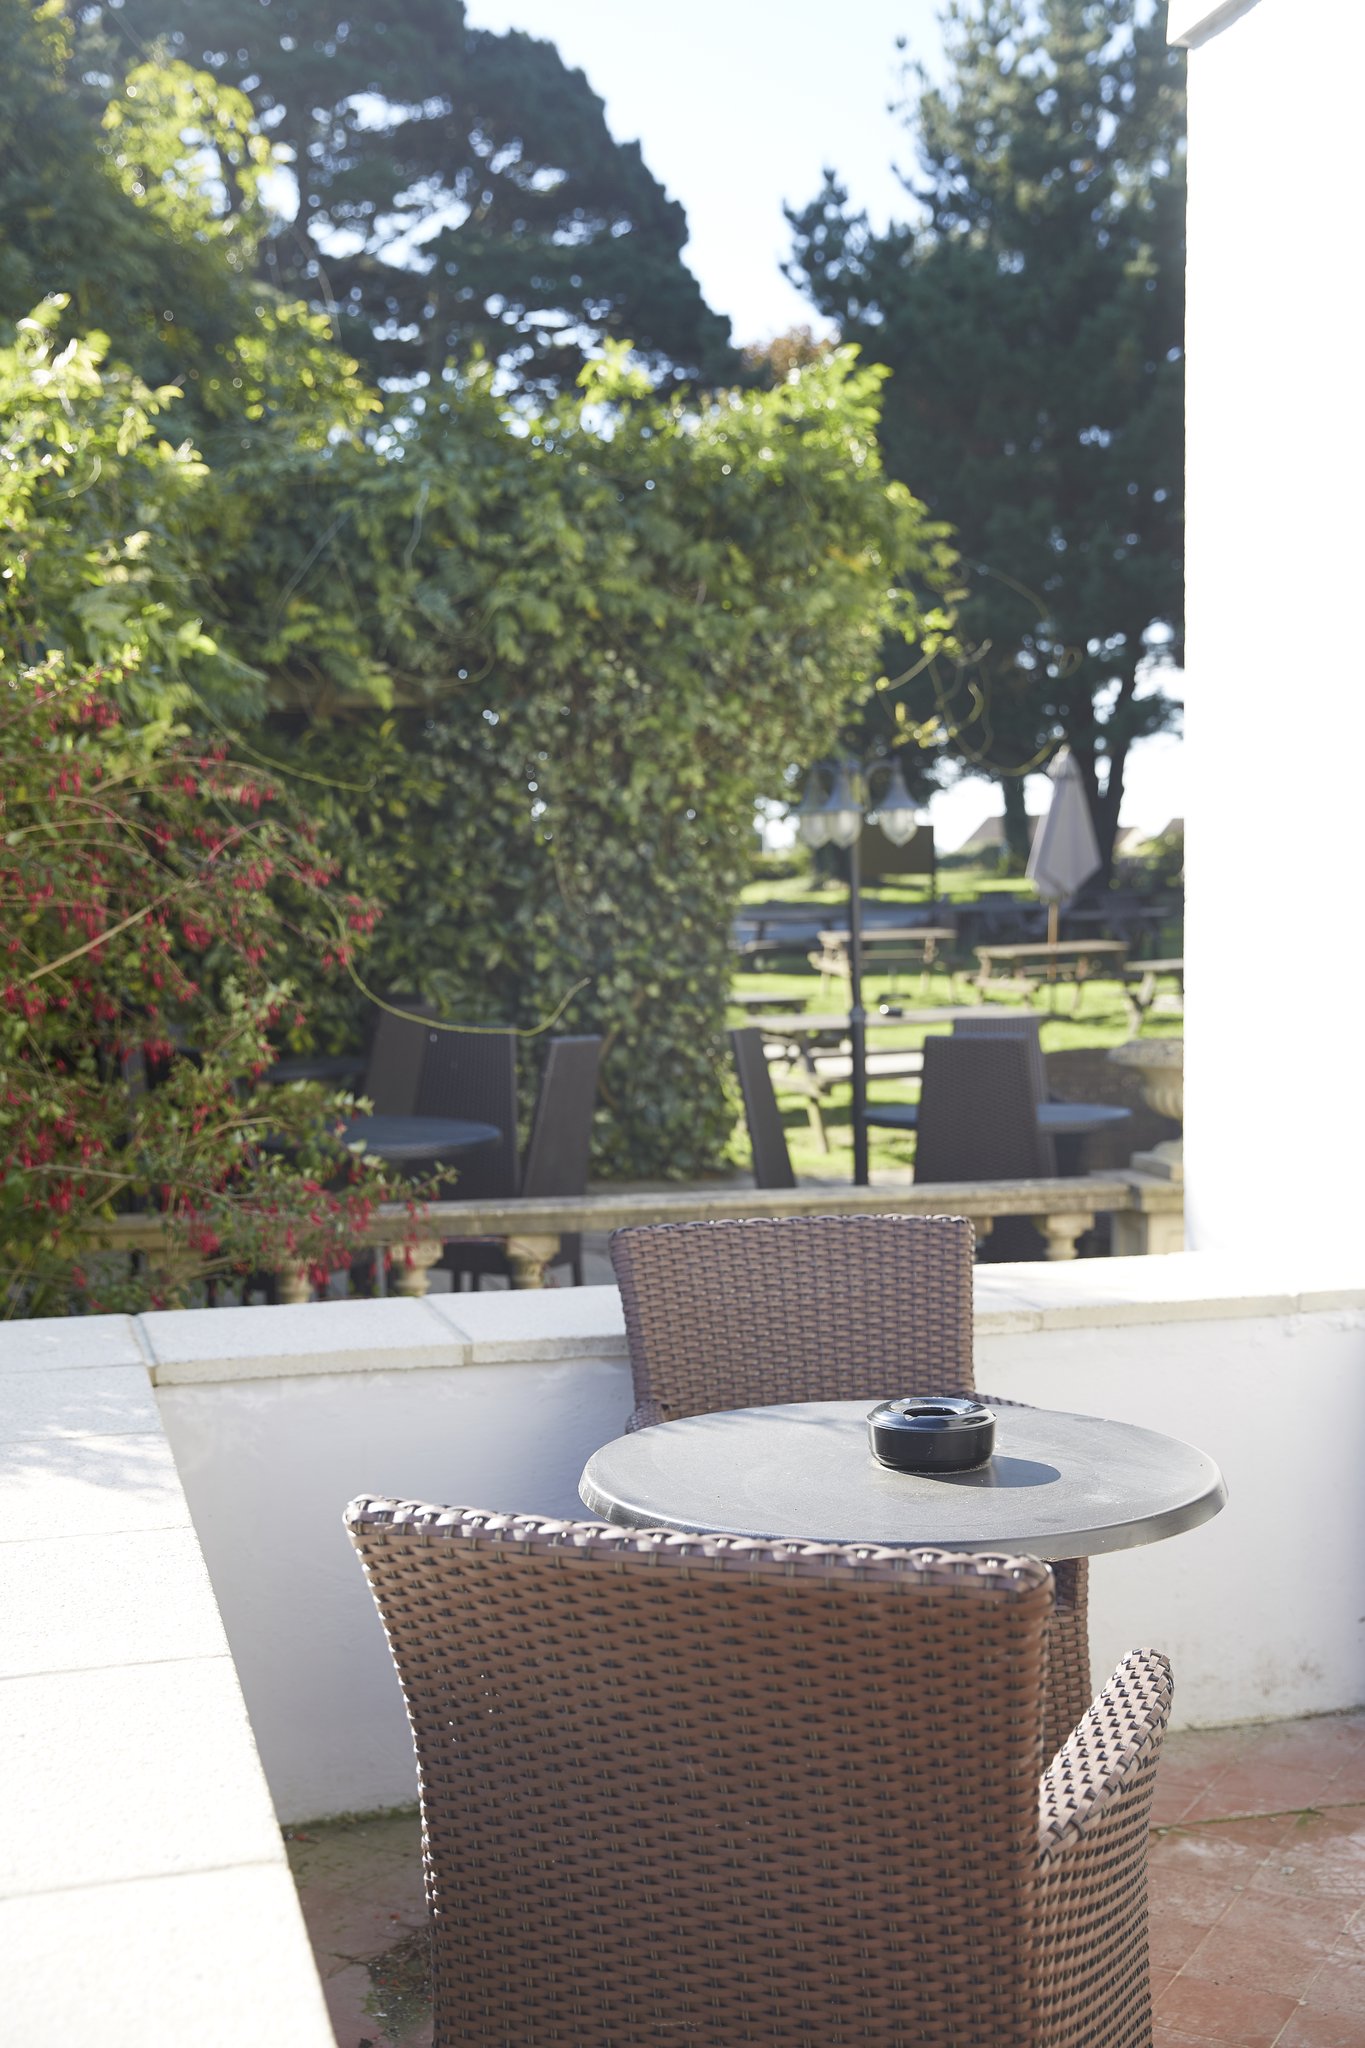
column 1141, row 993
column 1019, row 970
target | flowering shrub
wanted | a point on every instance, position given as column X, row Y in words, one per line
column 151, row 896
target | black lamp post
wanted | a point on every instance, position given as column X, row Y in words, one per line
column 837, row 820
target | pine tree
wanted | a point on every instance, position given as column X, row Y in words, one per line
column 457, row 189
column 1033, row 318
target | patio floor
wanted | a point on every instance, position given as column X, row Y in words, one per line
column 1257, row 1891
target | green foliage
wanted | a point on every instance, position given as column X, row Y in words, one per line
column 96, row 507
column 531, row 668
column 1033, row 317
column 457, row 189
column 152, row 897
column 608, row 629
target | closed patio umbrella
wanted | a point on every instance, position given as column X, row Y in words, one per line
column 1065, row 852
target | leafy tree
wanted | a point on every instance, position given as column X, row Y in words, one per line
column 600, row 632
column 1033, row 317
column 457, row 189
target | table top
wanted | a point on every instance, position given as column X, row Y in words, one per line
column 817, row 1021
column 1060, row 949
column 342, row 1066
column 1060, row 1485
column 1079, row 1119
column 898, row 933
column 419, row 1137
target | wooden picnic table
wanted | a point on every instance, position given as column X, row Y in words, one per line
column 1011, row 969
column 884, row 948
column 1141, row 993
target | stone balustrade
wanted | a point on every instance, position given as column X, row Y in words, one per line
column 1147, row 1212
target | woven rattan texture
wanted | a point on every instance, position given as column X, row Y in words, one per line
column 474, row 1074
column 978, row 1112
column 819, row 1308
column 722, row 1792
column 1095, row 1814
column 740, row 1314
column 1025, row 1024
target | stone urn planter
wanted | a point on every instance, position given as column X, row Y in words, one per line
column 1161, row 1064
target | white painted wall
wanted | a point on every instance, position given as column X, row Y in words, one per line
column 1274, row 1111
column 269, row 1465
column 1261, row 1611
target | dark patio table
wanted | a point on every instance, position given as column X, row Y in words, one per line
column 344, row 1066
column 410, row 1140
column 1060, row 1485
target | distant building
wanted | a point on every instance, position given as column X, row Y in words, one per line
column 990, row 834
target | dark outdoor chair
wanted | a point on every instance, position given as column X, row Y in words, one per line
column 766, row 1309
column 682, row 1787
column 393, row 1073
column 767, row 1139
column 978, row 1112
column 1025, row 1024
column 473, row 1074
column 556, row 1156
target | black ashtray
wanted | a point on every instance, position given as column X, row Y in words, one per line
column 932, row 1433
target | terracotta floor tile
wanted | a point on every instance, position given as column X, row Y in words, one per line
column 1313, row 1924
column 1250, row 1787
column 1173, row 1936
column 1254, row 1961
column 354, row 1928
column 1233, row 2013
column 1308, row 2028
column 1339, row 1987
column 1319, row 1855
column 1167, row 2037
column 1348, row 1784
column 1328, row 1740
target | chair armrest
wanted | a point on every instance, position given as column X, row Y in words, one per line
column 644, row 1417
column 1106, row 1769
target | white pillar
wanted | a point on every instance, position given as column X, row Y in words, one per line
column 1275, row 1018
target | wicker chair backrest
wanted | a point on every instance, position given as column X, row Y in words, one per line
column 1023, row 1024
column 677, row 1788
column 561, row 1127
column 474, row 1074
column 795, row 1308
column 393, row 1074
column 978, row 1112
column 767, row 1139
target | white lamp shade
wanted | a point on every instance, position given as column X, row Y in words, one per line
column 895, row 811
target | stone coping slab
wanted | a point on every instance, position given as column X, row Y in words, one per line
column 144, row 1895
column 509, row 1327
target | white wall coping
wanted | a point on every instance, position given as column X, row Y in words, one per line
column 182, row 1346
column 145, row 1898
column 1191, row 22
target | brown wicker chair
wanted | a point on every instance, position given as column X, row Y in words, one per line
column 745, row 1313
column 716, row 1791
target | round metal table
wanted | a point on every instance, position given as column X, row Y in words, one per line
column 408, row 1140
column 324, row 1067
column 1059, row 1485
column 1079, row 1119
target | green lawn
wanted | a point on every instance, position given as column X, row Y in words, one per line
column 1100, row 1019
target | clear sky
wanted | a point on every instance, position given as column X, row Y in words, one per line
column 738, row 106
